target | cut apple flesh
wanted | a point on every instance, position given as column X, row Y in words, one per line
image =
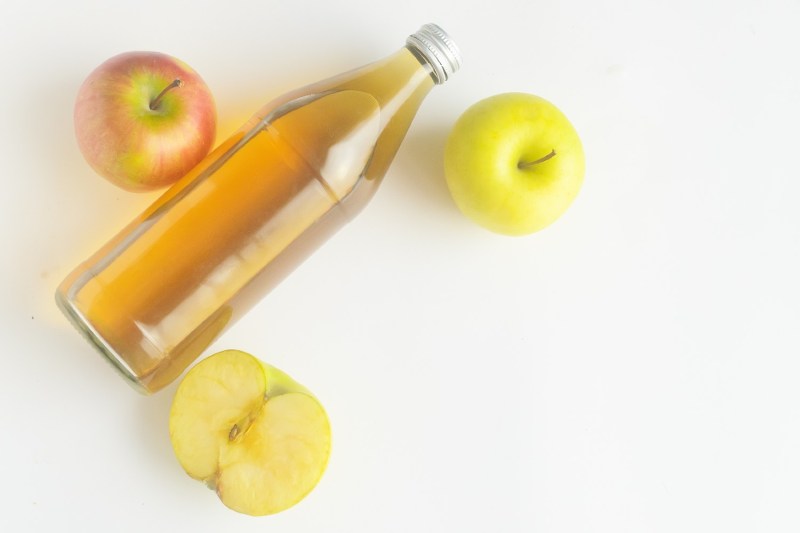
column 279, row 459
column 249, row 431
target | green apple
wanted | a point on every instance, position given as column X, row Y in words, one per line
column 144, row 119
column 513, row 163
column 250, row 432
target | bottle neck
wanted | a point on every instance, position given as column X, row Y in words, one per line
column 429, row 53
column 408, row 79
column 425, row 64
column 399, row 83
column 392, row 79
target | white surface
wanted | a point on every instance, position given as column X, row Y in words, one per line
column 632, row 368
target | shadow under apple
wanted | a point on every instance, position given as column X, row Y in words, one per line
column 419, row 170
column 151, row 425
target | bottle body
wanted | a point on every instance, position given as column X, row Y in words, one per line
column 154, row 297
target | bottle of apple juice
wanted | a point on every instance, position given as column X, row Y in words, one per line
column 158, row 293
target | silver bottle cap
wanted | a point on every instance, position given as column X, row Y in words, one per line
column 433, row 43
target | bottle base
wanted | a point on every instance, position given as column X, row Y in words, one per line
column 95, row 339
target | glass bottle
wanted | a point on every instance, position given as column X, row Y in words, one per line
column 158, row 293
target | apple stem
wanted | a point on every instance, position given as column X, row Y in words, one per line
column 157, row 100
column 234, row 432
column 542, row 159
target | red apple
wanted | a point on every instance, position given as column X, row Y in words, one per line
column 144, row 119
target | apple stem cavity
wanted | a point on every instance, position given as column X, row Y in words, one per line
column 157, row 100
column 542, row 159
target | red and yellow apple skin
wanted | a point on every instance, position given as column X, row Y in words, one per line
column 131, row 136
column 513, row 163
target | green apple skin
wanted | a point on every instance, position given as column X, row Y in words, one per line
column 513, row 163
column 133, row 143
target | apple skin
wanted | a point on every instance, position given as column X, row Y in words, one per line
column 132, row 145
column 485, row 163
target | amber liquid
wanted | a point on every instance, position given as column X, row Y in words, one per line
column 163, row 289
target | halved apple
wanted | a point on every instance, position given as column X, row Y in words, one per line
column 249, row 431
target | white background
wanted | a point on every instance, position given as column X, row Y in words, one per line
column 633, row 368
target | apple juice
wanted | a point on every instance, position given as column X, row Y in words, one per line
column 159, row 292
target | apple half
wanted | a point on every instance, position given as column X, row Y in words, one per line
column 250, row 432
